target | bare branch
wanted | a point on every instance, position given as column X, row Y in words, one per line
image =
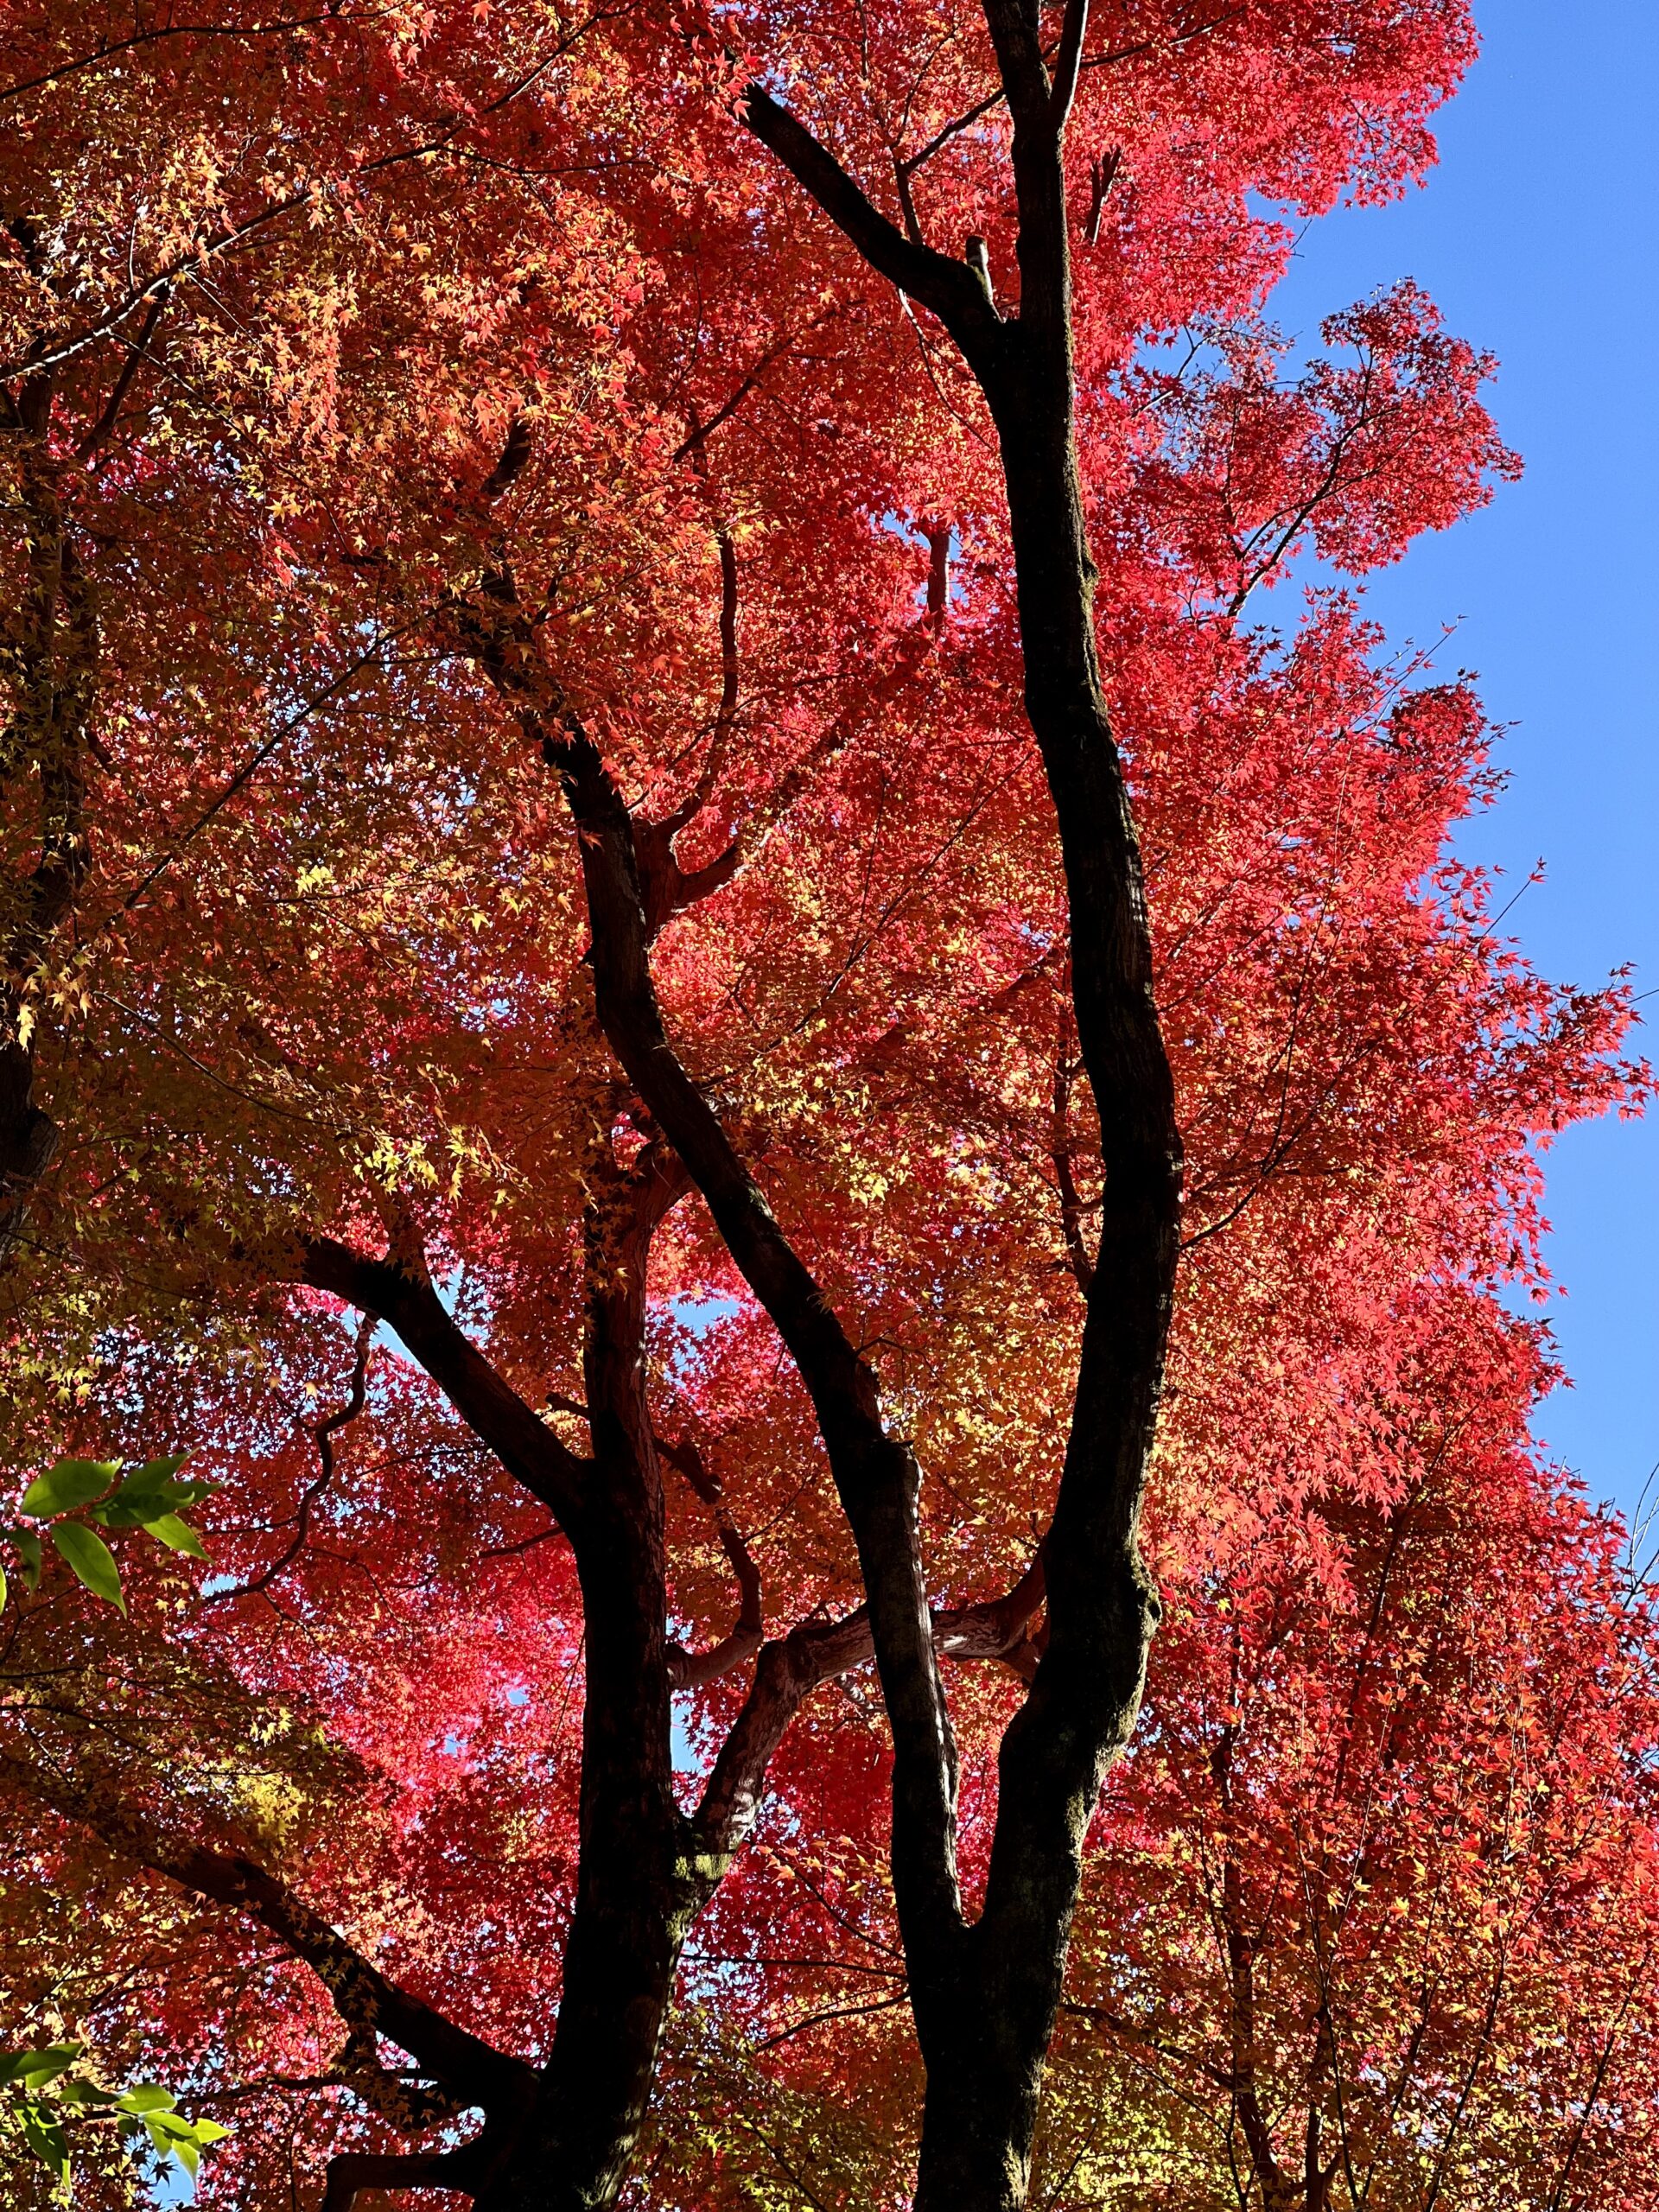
column 692, row 1670
column 284, row 27
column 136, row 350
column 229, row 237
column 1103, row 174
column 323, row 1434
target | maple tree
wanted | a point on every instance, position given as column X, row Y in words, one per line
column 652, row 819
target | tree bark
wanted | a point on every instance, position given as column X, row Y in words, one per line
column 986, row 2005
column 53, row 667
column 632, row 1893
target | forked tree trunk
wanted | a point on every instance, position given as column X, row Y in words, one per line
column 986, row 1997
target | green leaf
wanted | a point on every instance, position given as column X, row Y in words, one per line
column 35, row 2068
column 178, row 1535
column 27, row 1545
column 154, row 1474
column 47, row 2142
column 173, row 2138
column 148, row 2096
column 185, row 2140
column 147, row 1493
column 90, row 1560
column 85, row 2093
column 71, row 1483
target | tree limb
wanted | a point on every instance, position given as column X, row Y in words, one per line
column 360, row 1994
column 693, row 1670
column 947, row 287
column 790, row 1669
column 355, row 2171
column 323, row 1435
column 875, row 1472
column 530, row 1451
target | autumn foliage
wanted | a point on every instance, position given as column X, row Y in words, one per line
column 447, row 455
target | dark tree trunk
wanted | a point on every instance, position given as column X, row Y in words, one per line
column 563, row 2138
column 54, row 672
column 986, row 1997
column 573, row 2150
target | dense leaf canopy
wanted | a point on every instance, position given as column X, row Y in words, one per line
column 390, row 392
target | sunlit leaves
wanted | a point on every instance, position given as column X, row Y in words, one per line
column 50, row 2100
column 328, row 976
column 69, row 1483
column 146, row 1497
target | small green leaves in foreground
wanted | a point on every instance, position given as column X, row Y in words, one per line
column 70, row 1483
column 46, row 2101
column 146, row 1496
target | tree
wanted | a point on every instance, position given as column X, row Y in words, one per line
column 606, row 788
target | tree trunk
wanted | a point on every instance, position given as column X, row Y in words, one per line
column 986, row 1999
column 573, row 2150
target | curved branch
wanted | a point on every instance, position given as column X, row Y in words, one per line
column 323, row 1435
column 794, row 1665
column 355, row 2171
column 689, row 1670
column 875, row 1472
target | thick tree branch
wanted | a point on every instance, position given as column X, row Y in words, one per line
column 530, row 1451
column 948, row 288
column 1103, row 174
column 356, row 2170
column 51, row 663
column 410, row 2104
column 875, row 1474
column 473, row 2070
column 1021, row 61
column 362, row 1996
column 790, row 1669
column 515, row 452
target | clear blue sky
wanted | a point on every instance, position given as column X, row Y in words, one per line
column 1538, row 234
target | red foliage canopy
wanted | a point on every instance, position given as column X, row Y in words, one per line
column 426, row 426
